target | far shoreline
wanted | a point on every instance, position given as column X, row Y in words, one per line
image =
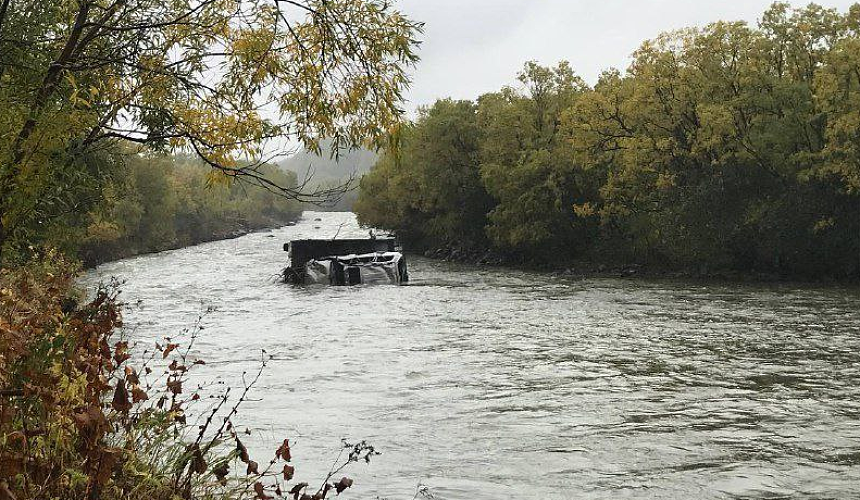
column 587, row 269
column 91, row 258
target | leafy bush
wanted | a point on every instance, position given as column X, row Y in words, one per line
column 79, row 420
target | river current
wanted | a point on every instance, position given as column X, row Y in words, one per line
column 488, row 383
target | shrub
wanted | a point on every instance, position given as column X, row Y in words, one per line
column 79, row 420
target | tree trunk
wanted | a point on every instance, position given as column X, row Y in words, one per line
column 50, row 83
column 52, row 79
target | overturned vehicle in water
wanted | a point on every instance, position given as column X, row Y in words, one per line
column 345, row 262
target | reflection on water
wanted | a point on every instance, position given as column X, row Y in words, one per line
column 489, row 383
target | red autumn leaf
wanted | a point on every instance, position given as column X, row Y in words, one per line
column 278, row 491
column 120, row 401
column 284, row 451
column 168, row 349
column 297, row 489
column 343, row 484
column 137, row 395
column 175, row 366
column 131, row 375
column 289, row 470
column 253, row 467
column 260, row 490
column 120, row 352
column 90, row 420
column 243, row 452
column 198, row 463
column 107, row 458
column 175, row 386
column 221, row 471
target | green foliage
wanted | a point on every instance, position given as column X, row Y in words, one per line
column 219, row 79
column 166, row 202
column 59, row 214
column 715, row 147
column 725, row 147
column 120, row 205
column 430, row 188
column 526, row 166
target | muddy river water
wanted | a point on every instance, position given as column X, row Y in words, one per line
column 486, row 383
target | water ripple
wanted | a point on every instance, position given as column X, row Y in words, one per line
column 492, row 383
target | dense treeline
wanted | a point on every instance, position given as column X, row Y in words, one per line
column 122, row 204
column 729, row 147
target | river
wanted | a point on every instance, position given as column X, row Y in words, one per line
column 487, row 383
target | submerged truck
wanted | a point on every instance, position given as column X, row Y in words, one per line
column 345, row 262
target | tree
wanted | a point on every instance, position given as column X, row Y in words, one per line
column 432, row 183
column 725, row 147
column 526, row 166
column 715, row 145
column 220, row 78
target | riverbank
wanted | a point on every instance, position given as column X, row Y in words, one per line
column 94, row 255
column 586, row 269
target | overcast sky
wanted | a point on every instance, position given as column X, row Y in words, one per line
column 475, row 46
